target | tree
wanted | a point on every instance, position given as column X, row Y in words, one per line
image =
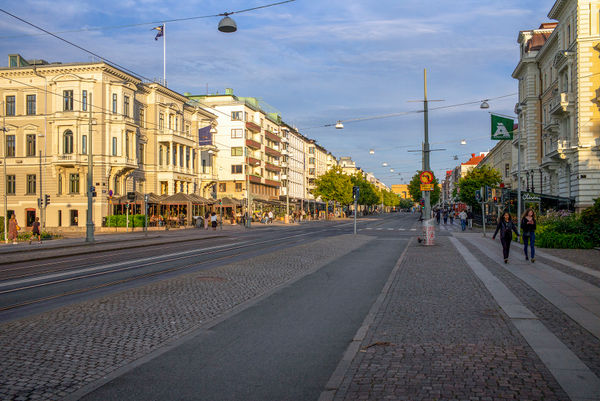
column 367, row 192
column 334, row 185
column 405, row 204
column 475, row 179
column 414, row 189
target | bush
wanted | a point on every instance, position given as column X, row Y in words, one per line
column 553, row 239
column 120, row 220
column 590, row 218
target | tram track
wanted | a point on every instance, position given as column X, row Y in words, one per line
column 143, row 275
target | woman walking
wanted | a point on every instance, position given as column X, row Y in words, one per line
column 528, row 225
column 213, row 221
column 13, row 229
column 506, row 228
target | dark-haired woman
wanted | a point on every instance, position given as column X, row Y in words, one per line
column 528, row 226
column 506, row 228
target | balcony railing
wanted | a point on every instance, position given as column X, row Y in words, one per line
column 560, row 103
column 272, row 152
column 252, row 161
column 272, row 167
column 253, row 127
column 272, row 136
column 252, row 144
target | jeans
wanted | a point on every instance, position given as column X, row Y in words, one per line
column 531, row 239
column 463, row 224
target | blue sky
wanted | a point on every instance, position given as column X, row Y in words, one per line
column 316, row 62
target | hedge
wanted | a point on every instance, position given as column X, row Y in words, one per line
column 120, row 220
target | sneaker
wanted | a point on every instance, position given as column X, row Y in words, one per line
column 505, row 260
column 526, row 257
column 532, row 260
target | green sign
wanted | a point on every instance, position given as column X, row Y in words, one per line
column 502, row 128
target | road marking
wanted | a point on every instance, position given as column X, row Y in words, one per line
column 413, row 229
column 402, row 229
column 369, row 228
column 390, row 229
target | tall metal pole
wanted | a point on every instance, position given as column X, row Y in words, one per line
column 165, row 54
column 41, row 201
column 89, row 233
column 519, row 184
column 248, row 212
column 5, row 177
column 426, row 167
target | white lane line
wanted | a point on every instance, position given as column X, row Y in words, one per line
column 402, row 229
column 369, row 228
column 379, row 229
column 413, row 229
column 578, row 381
column 390, row 229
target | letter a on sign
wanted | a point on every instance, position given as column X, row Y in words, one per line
column 502, row 128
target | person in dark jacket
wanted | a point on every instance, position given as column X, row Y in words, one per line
column 528, row 224
column 506, row 228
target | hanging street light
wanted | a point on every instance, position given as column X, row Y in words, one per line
column 484, row 104
column 463, row 142
column 227, row 24
column 339, row 125
column 391, row 170
column 384, row 164
column 371, row 152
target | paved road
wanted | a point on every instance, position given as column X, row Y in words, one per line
column 318, row 282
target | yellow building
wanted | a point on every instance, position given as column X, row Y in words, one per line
column 401, row 190
column 142, row 137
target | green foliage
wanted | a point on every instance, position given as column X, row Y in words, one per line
column 334, row 185
column 590, row 218
column 414, row 189
column 553, row 239
column 575, row 231
column 405, row 204
column 368, row 194
column 475, row 179
column 390, row 198
column 120, row 220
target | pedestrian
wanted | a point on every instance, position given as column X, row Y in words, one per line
column 213, row 221
column 13, row 229
column 438, row 215
column 270, row 220
column 35, row 231
column 528, row 224
column 206, row 218
column 470, row 219
column 445, row 215
column 506, row 228
column 451, row 216
column 463, row 220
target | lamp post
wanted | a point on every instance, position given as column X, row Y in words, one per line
column 5, row 177
column 89, row 232
column 426, row 194
column 518, row 111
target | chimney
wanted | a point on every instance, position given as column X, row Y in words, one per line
column 472, row 154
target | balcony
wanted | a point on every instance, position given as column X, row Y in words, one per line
column 272, row 152
column 284, row 139
column 560, row 103
column 272, row 183
column 551, row 126
column 252, row 144
column 273, row 137
column 285, row 152
column 254, row 178
column 272, row 167
column 252, row 161
column 66, row 160
column 253, row 127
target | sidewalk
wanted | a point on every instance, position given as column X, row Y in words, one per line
column 457, row 323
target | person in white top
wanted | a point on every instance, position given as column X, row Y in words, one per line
column 270, row 216
column 213, row 220
column 463, row 220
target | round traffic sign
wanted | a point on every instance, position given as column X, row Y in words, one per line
column 426, row 177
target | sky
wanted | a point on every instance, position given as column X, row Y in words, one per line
column 315, row 62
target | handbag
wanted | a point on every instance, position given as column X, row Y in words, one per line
column 526, row 233
column 18, row 228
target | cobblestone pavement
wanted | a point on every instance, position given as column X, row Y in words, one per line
column 580, row 341
column 584, row 257
column 439, row 335
column 53, row 354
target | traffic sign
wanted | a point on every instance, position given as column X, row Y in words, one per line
column 426, row 177
column 426, row 187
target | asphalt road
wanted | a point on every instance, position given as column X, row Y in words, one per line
column 284, row 347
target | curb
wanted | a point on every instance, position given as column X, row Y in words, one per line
column 108, row 249
column 339, row 373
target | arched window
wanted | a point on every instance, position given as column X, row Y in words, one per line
column 68, row 142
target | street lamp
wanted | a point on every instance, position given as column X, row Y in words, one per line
column 518, row 110
column 484, row 104
column 227, row 24
column 339, row 125
column 463, row 141
column 371, row 152
column 89, row 231
column 5, row 177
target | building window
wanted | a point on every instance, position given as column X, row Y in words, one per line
column 60, row 184
column 127, row 144
column 126, row 106
column 174, row 155
column 11, row 184
column 31, row 190
column 84, row 144
column 30, row 105
column 176, row 123
column 142, row 118
column 161, row 121
column 74, row 183
column 237, row 151
column 84, row 100
column 10, row 146
column 30, row 142
column 188, row 131
column 68, row 142
column 311, row 160
column 506, row 169
column 10, row 105
column 203, row 165
column 114, row 103
column 237, row 115
column 187, row 157
column 180, row 156
column 160, row 155
column 142, row 155
column 237, row 133
column 114, row 146
column 222, row 187
column 68, row 100
column 164, row 187
column 236, row 169
column 238, row 187
column 170, row 121
column 311, row 171
column 311, row 150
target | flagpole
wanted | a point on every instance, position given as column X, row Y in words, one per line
column 165, row 55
